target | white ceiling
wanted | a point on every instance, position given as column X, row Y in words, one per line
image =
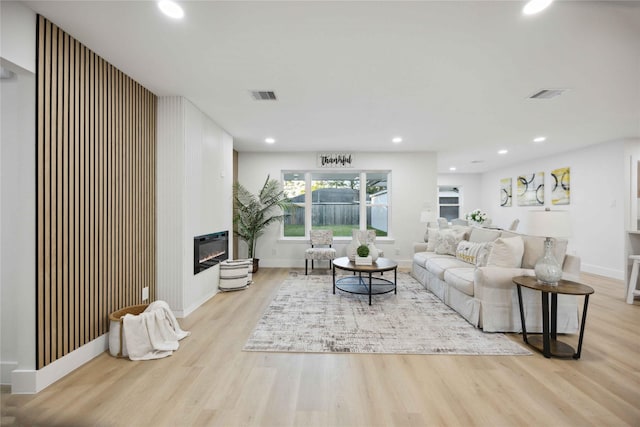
column 449, row 76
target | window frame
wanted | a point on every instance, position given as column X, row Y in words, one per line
column 363, row 203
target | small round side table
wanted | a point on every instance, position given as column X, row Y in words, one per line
column 548, row 343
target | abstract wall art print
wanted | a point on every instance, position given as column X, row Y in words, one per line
column 505, row 192
column 560, row 188
column 531, row 189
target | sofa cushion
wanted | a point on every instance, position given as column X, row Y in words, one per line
column 447, row 241
column 534, row 249
column 437, row 266
column 421, row 258
column 432, row 239
column 461, row 279
column 479, row 234
column 506, row 252
column 474, row 253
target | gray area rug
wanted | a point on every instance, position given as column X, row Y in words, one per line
column 306, row 317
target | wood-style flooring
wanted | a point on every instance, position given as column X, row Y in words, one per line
column 210, row 381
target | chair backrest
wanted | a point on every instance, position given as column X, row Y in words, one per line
column 514, row 225
column 321, row 237
column 443, row 223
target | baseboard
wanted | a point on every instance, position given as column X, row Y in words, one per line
column 181, row 314
column 5, row 372
column 32, row 381
column 603, row 271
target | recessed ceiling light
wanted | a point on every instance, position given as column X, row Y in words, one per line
column 171, row 9
column 269, row 140
column 503, row 151
column 452, row 168
column 535, row 6
column 540, row 139
column 396, row 140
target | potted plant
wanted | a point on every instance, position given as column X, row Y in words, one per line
column 253, row 213
column 363, row 257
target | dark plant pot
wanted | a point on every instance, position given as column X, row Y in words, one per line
column 256, row 261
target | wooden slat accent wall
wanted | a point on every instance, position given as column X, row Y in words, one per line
column 96, row 151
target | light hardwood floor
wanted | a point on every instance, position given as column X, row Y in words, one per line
column 211, row 381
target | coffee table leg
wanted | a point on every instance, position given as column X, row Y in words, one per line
column 395, row 281
column 334, row 279
column 369, row 288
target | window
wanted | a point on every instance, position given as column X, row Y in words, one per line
column 449, row 202
column 336, row 201
column 294, row 186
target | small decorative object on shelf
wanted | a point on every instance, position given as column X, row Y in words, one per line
column 477, row 216
column 363, row 257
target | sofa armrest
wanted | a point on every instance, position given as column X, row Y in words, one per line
column 496, row 277
column 571, row 267
column 419, row 247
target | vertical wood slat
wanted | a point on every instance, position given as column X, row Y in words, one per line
column 95, row 195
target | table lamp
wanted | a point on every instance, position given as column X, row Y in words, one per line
column 549, row 224
column 427, row 216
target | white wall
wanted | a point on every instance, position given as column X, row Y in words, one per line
column 17, row 231
column 596, row 207
column 413, row 185
column 18, row 40
column 17, row 191
column 471, row 190
column 194, row 196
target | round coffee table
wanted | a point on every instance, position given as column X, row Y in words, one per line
column 357, row 284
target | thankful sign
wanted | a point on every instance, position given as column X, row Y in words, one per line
column 335, row 160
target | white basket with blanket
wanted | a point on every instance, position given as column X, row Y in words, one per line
column 145, row 331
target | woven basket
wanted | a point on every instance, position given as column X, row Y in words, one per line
column 116, row 327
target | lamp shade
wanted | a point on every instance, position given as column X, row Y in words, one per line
column 549, row 223
column 427, row 216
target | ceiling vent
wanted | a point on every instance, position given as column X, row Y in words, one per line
column 263, row 95
column 547, row 93
column 477, row 161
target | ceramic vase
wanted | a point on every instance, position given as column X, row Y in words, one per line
column 353, row 247
column 373, row 252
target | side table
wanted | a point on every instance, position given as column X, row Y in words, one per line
column 548, row 343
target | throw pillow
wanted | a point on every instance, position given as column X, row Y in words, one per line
column 447, row 241
column 432, row 238
column 506, row 252
column 474, row 253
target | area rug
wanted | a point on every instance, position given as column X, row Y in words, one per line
column 305, row 316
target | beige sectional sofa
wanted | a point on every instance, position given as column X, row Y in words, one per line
column 471, row 269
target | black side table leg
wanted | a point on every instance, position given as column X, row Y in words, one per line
column 554, row 315
column 369, row 288
column 546, row 344
column 584, row 319
column 524, row 327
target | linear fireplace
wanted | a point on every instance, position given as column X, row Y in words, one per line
column 209, row 250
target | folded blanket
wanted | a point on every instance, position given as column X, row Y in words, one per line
column 153, row 334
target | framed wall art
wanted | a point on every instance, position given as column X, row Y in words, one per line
column 531, row 189
column 560, row 188
column 505, row 192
